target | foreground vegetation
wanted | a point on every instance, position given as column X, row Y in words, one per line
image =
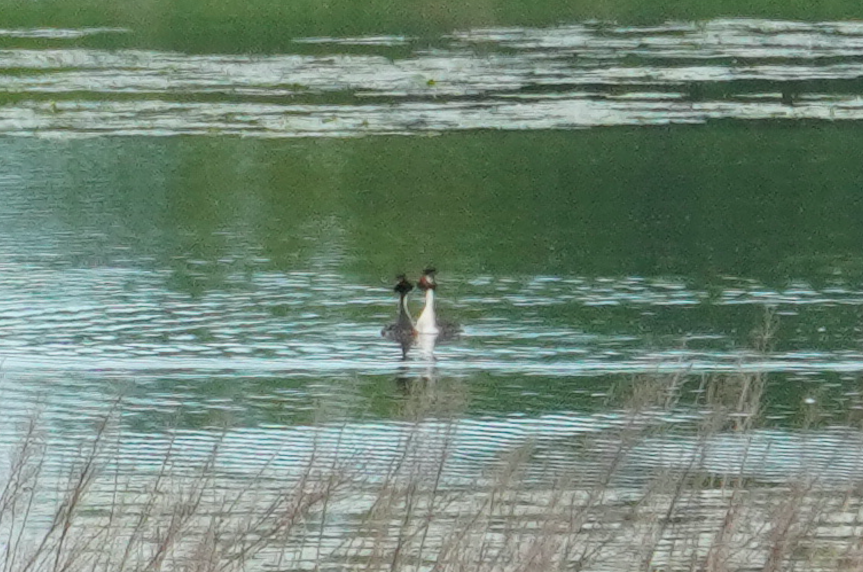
column 595, row 510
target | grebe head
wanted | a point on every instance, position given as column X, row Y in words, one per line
column 427, row 281
column 403, row 286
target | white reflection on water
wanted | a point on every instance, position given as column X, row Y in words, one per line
column 471, row 446
column 310, row 323
column 554, row 78
column 58, row 33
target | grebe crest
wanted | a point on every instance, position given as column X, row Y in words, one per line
column 427, row 280
column 403, row 286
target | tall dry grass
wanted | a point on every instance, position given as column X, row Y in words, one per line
column 601, row 508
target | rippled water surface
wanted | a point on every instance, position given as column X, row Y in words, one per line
column 210, row 240
column 576, row 76
column 256, row 295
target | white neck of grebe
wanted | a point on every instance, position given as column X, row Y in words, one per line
column 404, row 319
column 427, row 323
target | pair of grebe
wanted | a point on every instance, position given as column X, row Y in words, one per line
column 427, row 329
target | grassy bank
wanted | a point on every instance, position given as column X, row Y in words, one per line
column 266, row 25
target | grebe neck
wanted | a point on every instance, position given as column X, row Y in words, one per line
column 427, row 323
column 404, row 320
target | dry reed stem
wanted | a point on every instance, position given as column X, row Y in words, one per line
column 515, row 515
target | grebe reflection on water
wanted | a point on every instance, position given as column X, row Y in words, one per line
column 403, row 330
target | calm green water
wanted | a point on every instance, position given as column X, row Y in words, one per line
column 214, row 236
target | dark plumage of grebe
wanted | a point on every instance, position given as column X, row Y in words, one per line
column 428, row 323
column 403, row 330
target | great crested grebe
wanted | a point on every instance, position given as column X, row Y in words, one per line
column 403, row 330
column 427, row 323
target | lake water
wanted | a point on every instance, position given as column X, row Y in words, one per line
column 567, row 77
column 214, row 237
